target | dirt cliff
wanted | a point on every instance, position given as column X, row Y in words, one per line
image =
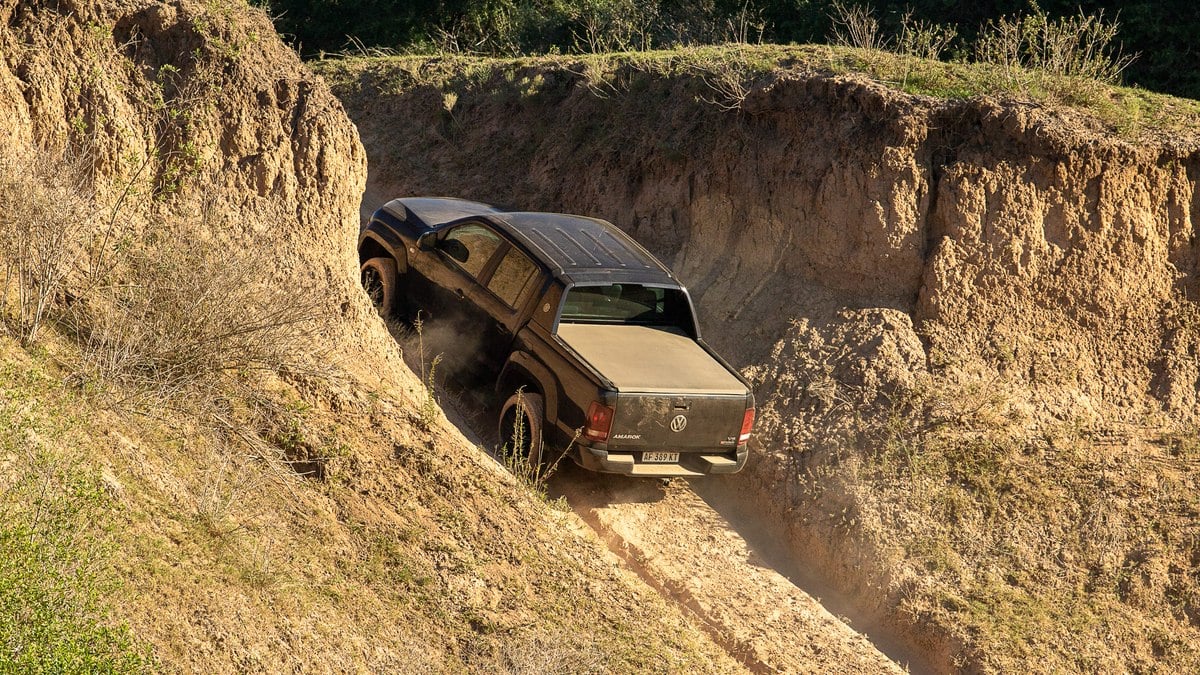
column 972, row 325
column 313, row 513
column 189, row 103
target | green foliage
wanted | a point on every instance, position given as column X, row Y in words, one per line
column 1160, row 33
column 430, row 407
column 51, row 616
column 924, row 39
column 1079, row 46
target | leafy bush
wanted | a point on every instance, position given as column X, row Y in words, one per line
column 1078, row 46
column 924, row 39
column 51, row 616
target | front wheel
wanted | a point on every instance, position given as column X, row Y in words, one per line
column 379, row 281
column 520, row 429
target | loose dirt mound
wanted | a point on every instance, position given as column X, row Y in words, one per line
column 406, row 550
column 971, row 325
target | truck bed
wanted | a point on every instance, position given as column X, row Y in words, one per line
column 649, row 359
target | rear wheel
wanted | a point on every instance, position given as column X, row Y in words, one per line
column 379, row 281
column 520, row 429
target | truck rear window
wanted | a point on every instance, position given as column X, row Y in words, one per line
column 627, row 303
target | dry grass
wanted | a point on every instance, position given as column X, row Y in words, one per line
column 534, row 653
column 42, row 199
column 180, row 312
column 393, row 547
column 535, row 476
column 409, row 540
column 1022, row 535
column 187, row 371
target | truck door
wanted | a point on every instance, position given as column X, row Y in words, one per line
column 509, row 287
column 447, row 286
column 475, row 283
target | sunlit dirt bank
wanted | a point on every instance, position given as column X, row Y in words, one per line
column 270, row 488
column 971, row 324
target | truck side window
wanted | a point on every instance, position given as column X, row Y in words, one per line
column 471, row 246
column 512, row 276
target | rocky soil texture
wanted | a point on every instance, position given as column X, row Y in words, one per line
column 971, row 324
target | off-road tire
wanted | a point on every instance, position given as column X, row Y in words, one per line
column 378, row 276
column 534, row 419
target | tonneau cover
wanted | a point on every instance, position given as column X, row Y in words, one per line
column 649, row 359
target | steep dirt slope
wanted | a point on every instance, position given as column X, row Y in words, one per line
column 972, row 325
column 692, row 555
column 313, row 515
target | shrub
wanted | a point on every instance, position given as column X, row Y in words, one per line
column 614, row 25
column 924, row 39
column 181, row 311
column 1080, row 46
column 855, row 26
column 51, row 616
column 40, row 199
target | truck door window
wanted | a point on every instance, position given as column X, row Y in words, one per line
column 471, row 246
column 512, row 276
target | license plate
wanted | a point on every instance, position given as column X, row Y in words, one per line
column 660, row 457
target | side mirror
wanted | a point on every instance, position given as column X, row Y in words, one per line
column 455, row 249
column 426, row 241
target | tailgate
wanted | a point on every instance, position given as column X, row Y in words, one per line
column 676, row 422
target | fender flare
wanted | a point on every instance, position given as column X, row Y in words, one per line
column 389, row 241
column 522, row 365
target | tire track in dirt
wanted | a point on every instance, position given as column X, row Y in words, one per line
column 687, row 551
column 682, row 546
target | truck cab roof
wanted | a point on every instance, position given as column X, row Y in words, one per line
column 576, row 249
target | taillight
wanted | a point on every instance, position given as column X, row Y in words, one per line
column 599, row 420
column 747, row 425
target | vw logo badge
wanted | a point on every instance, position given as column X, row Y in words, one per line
column 678, row 423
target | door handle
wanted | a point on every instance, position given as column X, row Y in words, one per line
column 461, row 295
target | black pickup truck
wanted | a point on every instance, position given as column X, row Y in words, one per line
column 593, row 343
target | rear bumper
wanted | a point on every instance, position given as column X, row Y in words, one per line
column 690, row 463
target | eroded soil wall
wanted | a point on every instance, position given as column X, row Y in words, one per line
column 294, row 515
column 990, row 227
column 854, row 249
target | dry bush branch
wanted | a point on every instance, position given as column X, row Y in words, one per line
column 222, row 484
column 726, row 79
column 185, row 311
column 42, row 198
column 855, row 26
